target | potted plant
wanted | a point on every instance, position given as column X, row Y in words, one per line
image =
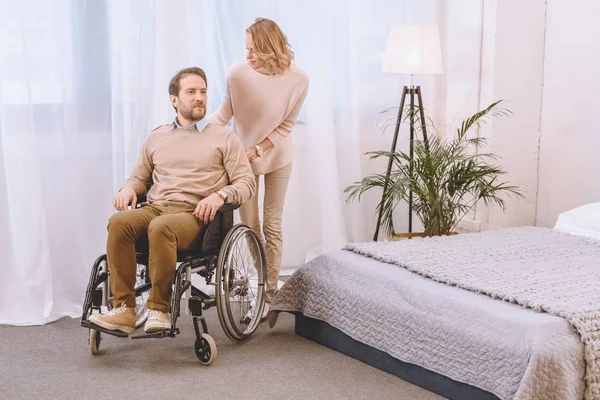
column 446, row 178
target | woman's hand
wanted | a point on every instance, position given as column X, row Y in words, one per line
column 252, row 154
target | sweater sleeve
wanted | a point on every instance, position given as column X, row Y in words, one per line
column 242, row 184
column 142, row 173
column 285, row 128
column 225, row 111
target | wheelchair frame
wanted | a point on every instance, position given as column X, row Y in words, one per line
column 211, row 259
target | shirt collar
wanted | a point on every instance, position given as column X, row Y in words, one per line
column 198, row 125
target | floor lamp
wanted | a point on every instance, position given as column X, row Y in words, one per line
column 411, row 50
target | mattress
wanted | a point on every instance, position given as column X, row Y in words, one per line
column 498, row 347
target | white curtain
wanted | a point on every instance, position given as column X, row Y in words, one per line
column 82, row 82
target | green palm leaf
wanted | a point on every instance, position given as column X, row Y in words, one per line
column 447, row 178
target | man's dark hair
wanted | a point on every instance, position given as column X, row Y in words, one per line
column 174, row 85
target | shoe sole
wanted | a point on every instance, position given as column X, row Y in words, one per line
column 156, row 328
column 111, row 327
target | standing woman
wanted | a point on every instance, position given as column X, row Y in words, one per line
column 264, row 95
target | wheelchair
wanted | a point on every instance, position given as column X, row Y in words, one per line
column 231, row 254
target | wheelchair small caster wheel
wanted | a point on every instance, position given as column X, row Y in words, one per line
column 206, row 349
column 94, row 341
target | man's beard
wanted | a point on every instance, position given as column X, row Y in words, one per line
column 192, row 113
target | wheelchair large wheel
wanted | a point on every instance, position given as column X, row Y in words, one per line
column 141, row 278
column 95, row 293
column 240, row 281
column 99, row 295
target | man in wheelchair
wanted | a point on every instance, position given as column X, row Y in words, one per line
column 193, row 169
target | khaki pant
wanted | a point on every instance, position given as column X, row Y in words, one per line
column 166, row 230
column 276, row 184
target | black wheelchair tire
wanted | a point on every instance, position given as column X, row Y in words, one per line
column 223, row 309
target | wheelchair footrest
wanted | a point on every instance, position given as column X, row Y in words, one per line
column 157, row 335
column 89, row 325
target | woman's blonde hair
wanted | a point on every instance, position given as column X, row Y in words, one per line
column 271, row 45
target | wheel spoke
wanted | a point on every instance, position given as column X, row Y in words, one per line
column 141, row 309
column 241, row 299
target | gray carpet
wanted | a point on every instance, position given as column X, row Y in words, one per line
column 54, row 362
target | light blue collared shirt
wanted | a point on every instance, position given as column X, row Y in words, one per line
column 199, row 125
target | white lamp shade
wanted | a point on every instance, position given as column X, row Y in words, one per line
column 413, row 50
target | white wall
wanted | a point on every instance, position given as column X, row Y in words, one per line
column 494, row 50
column 538, row 56
column 448, row 98
column 514, row 56
column 463, row 28
column 543, row 59
column 569, row 161
column 457, row 91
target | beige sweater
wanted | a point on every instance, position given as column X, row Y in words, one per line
column 263, row 106
column 185, row 166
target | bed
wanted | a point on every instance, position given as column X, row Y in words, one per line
column 503, row 314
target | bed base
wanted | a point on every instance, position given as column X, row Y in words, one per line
column 326, row 335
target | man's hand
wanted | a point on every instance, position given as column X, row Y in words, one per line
column 207, row 209
column 252, row 154
column 124, row 198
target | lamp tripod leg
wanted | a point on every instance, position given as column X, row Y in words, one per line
column 389, row 167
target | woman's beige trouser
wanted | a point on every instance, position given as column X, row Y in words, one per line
column 276, row 184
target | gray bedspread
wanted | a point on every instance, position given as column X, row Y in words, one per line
column 498, row 346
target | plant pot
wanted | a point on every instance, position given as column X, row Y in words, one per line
column 409, row 235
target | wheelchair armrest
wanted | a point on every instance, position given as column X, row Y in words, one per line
column 217, row 229
column 227, row 208
column 140, row 199
column 223, row 209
